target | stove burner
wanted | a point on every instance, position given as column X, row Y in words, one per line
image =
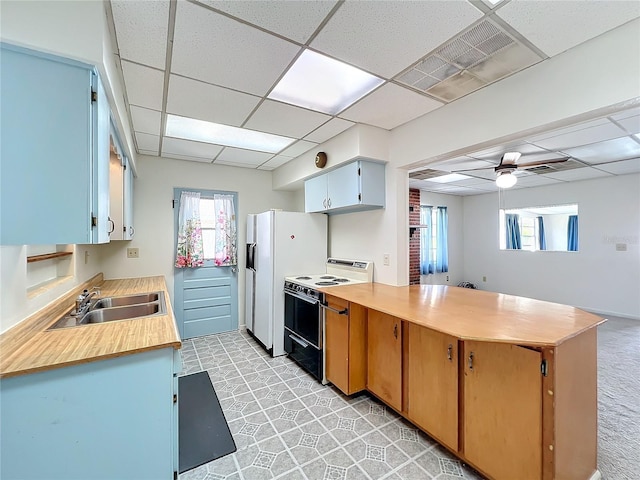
column 327, row 277
column 341, row 280
column 326, row 284
column 303, row 278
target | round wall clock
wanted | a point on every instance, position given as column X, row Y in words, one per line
column 321, row 159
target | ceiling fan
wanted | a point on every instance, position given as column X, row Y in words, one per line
column 509, row 164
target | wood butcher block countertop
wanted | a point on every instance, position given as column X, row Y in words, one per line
column 29, row 347
column 473, row 314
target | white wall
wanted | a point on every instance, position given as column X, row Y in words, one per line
column 154, row 217
column 15, row 305
column 455, row 238
column 596, row 278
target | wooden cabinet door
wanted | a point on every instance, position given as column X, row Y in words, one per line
column 503, row 410
column 337, row 344
column 384, row 358
column 345, row 346
column 433, row 383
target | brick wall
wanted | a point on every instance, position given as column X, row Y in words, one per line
column 414, row 240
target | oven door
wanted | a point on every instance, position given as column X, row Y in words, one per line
column 302, row 352
column 303, row 317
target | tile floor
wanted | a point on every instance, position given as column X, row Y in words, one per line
column 287, row 425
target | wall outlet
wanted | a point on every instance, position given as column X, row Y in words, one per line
column 447, row 278
column 484, row 279
column 133, row 253
column 385, row 259
column 621, row 247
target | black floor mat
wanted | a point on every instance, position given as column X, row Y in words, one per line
column 203, row 431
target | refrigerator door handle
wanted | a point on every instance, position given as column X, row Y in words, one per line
column 251, row 256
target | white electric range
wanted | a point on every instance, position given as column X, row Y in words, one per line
column 304, row 310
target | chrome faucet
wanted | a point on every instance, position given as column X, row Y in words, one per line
column 82, row 302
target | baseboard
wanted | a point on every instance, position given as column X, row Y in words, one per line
column 596, row 475
column 605, row 314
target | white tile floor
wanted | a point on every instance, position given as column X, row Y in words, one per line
column 287, row 425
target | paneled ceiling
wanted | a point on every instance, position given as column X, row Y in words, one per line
column 218, row 60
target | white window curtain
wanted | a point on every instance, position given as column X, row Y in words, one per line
column 226, row 236
column 189, row 251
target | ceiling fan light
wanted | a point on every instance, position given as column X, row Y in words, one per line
column 506, row 180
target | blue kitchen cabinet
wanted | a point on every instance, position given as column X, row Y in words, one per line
column 109, row 419
column 54, row 152
column 356, row 186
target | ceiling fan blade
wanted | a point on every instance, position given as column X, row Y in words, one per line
column 542, row 162
column 472, row 170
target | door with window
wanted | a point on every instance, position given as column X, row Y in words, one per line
column 206, row 296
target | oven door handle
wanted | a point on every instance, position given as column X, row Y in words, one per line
column 303, row 298
column 339, row 312
column 300, row 342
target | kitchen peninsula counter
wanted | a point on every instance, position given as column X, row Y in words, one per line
column 29, row 347
column 471, row 314
column 506, row 383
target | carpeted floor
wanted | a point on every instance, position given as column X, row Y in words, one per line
column 619, row 399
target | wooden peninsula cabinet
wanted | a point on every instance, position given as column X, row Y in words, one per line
column 506, row 383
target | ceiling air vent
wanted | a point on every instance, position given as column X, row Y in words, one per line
column 570, row 164
column 480, row 56
column 427, row 174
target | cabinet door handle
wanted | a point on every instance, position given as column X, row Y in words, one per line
column 324, row 203
column 132, row 231
column 395, row 330
column 329, row 203
column 113, row 226
column 449, row 352
column 471, row 361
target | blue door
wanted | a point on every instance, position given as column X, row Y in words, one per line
column 205, row 298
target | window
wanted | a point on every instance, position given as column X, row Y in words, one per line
column 434, row 257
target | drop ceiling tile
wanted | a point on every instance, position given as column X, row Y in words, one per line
column 618, row 149
column 631, row 124
column 203, row 101
column 390, row 106
column 147, row 142
column 329, row 130
column 585, row 136
column 148, row 152
column 365, row 34
column 141, row 28
column 298, row 148
column 292, row 19
column 536, row 180
column 176, row 156
column 475, row 182
column 577, row 174
column 178, row 146
column 623, row 167
column 145, row 120
column 230, row 156
column 494, row 154
column 216, row 49
column 144, row 85
column 236, row 164
column 551, row 26
column 275, row 162
column 283, row 119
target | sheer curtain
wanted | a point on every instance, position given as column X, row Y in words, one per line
column 426, row 267
column 572, row 233
column 442, row 253
column 541, row 239
column 512, row 223
column 226, row 249
column 189, row 251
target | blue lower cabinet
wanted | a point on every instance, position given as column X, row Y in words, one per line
column 104, row 420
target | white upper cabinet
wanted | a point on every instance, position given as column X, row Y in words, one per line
column 356, row 186
column 54, row 151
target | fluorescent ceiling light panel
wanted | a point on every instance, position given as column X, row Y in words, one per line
column 452, row 177
column 218, row 134
column 323, row 84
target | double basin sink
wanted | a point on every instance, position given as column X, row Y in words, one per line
column 109, row 309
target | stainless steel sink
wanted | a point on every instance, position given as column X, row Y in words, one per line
column 123, row 300
column 120, row 313
column 110, row 309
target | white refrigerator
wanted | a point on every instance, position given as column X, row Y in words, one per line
column 279, row 244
